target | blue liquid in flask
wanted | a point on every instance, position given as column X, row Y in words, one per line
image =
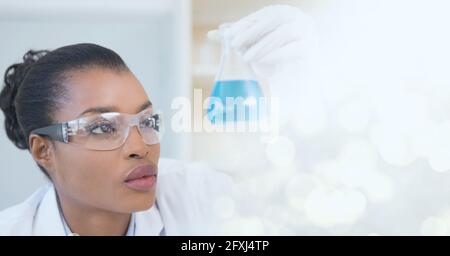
column 245, row 94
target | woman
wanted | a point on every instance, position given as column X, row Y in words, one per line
column 90, row 127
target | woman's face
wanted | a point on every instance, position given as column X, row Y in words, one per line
column 97, row 178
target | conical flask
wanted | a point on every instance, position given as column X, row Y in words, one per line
column 236, row 93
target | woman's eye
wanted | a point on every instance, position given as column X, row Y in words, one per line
column 102, row 128
column 148, row 123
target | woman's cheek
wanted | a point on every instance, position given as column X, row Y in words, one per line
column 89, row 172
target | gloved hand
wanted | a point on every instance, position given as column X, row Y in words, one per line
column 272, row 38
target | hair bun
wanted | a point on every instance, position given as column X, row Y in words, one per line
column 14, row 76
column 32, row 56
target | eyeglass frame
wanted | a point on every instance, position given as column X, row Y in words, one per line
column 62, row 131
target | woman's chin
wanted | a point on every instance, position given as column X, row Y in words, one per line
column 142, row 206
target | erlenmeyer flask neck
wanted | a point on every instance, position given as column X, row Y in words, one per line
column 232, row 64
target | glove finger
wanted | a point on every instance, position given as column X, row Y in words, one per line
column 240, row 26
column 295, row 50
column 268, row 16
column 271, row 42
column 282, row 11
column 254, row 33
column 251, row 18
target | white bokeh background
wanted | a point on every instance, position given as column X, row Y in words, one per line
column 364, row 147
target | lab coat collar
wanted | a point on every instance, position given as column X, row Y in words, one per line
column 49, row 222
column 149, row 222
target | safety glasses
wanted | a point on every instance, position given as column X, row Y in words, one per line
column 106, row 131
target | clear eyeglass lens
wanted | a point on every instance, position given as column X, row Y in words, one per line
column 109, row 131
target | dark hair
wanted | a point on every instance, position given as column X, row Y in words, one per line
column 35, row 88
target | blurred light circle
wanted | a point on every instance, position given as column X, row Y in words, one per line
column 281, row 151
column 298, row 189
column 359, row 152
column 379, row 187
column 327, row 207
column 357, row 160
column 264, row 184
column 393, row 145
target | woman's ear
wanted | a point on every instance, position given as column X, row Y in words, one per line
column 42, row 151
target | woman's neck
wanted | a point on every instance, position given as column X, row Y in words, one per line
column 91, row 221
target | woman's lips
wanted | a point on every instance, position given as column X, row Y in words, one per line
column 142, row 178
column 143, row 184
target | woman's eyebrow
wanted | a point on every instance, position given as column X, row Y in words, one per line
column 107, row 109
column 99, row 110
column 144, row 106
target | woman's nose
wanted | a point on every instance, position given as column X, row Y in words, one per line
column 134, row 145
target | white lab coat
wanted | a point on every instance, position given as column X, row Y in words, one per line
column 185, row 196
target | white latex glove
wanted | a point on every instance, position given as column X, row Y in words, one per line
column 273, row 38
